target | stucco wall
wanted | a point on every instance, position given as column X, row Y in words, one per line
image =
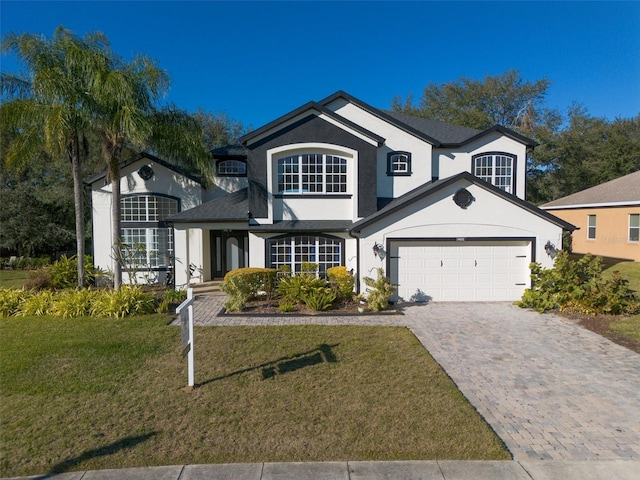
column 612, row 231
column 164, row 181
column 437, row 216
column 451, row 162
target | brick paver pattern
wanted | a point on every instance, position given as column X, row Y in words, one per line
column 549, row 388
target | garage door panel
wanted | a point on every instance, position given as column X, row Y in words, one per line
column 451, row 271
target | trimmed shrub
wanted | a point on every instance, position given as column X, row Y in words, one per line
column 10, row 299
column 36, row 303
column 578, row 286
column 295, row 288
column 319, row 299
column 128, row 301
column 259, row 279
column 380, row 291
column 341, row 282
column 73, row 303
column 64, row 272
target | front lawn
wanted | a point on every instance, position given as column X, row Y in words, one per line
column 94, row 393
column 13, row 278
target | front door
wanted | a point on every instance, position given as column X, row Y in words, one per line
column 229, row 250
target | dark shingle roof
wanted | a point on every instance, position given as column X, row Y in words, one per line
column 230, row 151
column 442, row 132
column 623, row 190
column 305, row 225
column 230, row 208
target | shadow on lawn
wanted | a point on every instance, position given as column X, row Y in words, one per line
column 324, row 353
column 110, row 449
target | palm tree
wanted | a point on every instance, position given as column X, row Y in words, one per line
column 127, row 116
column 50, row 109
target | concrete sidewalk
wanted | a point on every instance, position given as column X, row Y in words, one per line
column 406, row 470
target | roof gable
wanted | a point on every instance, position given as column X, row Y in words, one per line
column 621, row 191
column 431, row 188
column 144, row 155
column 311, row 108
column 439, row 134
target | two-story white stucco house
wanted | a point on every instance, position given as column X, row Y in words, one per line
column 338, row 182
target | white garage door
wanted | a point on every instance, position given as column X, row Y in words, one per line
column 460, row 271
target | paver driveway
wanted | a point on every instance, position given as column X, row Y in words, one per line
column 549, row 388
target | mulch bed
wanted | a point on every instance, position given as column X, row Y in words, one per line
column 270, row 308
column 600, row 325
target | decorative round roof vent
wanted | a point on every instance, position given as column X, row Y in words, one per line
column 463, row 198
column 145, row 172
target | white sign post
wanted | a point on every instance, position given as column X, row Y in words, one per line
column 185, row 310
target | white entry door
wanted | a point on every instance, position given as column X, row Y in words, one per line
column 478, row 270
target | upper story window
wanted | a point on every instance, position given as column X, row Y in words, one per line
column 634, row 227
column 232, row 168
column 398, row 163
column 497, row 169
column 312, row 173
column 147, row 208
column 591, row 227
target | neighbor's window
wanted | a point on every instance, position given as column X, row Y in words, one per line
column 634, row 227
column 232, row 168
column 144, row 230
column 591, row 227
column 293, row 251
column 312, row 173
column 398, row 163
column 497, row 169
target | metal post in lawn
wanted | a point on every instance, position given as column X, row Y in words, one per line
column 185, row 310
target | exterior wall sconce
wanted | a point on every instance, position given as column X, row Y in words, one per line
column 378, row 251
column 550, row 249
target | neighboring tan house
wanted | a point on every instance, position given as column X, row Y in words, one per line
column 608, row 216
column 337, row 182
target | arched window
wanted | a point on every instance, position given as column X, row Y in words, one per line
column 148, row 242
column 232, row 168
column 496, row 168
column 399, row 164
column 293, row 251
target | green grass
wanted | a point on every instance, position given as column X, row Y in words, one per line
column 95, row 393
column 13, row 278
column 627, row 326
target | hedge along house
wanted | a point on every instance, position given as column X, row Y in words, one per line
column 337, row 182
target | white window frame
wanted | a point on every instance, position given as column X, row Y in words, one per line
column 142, row 218
column 324, row 250
column 634, row 228
column 497, row 168
column 312, row 173
column 157, row 242
column 231, row 168
column 399, row 164
column 591, row 229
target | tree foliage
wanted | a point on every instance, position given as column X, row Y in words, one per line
column 51, row 109
column 576, row 151
column 505, row 100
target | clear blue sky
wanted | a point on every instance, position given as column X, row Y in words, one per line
column 259, row 60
